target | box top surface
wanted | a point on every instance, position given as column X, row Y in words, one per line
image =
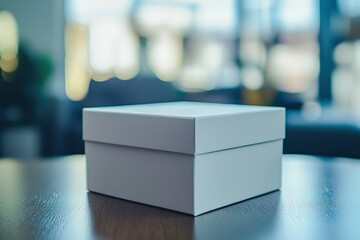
column 184, row 127
column 182, row 109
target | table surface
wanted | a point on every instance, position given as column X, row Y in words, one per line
column 47, row 199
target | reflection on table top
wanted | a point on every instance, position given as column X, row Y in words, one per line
column 47, row 199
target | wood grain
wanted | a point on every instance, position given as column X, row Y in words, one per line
column 47, row 199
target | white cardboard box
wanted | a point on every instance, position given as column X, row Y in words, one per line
column 185, row 156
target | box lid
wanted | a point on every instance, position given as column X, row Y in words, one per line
column 184, row 127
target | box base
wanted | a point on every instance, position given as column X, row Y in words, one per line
column 181, row 182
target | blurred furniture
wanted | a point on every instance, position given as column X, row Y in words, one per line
column 48, row 199
column 335, row 133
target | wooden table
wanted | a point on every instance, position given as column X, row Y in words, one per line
column 47, row 199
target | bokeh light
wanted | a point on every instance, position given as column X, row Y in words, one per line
column 9, row 42
column 77, row 72
column 165, row 52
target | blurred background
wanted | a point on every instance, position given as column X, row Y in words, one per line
column 59, row 56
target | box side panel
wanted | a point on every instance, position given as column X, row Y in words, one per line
column 152, row 132
column 226, row 177
column 236, row 130
column 152, row 177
